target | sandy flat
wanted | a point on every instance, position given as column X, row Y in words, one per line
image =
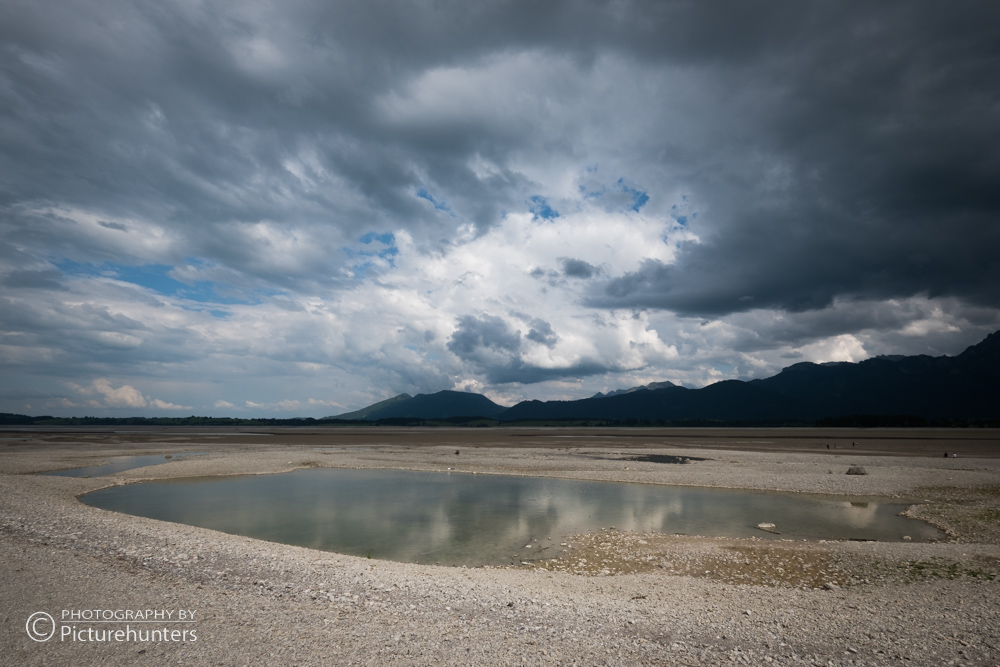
column 614, row 598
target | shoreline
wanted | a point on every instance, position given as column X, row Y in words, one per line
column 659, row 599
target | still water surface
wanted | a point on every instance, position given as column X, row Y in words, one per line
column 463, row 519
column 120, row 464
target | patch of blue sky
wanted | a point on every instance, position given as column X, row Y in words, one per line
column 539, row 207
column 639, row 198
column 681, row 218
column 361, row 269
column 154, row 277
column 438, row 204
column 387, row 253
column 385, row 238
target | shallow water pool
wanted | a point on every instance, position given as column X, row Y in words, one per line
column 121, row 463
column 464, row 519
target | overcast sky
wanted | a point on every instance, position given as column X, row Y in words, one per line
column 300, row 208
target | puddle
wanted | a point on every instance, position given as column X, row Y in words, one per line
column 122, row 463
column 464, row 519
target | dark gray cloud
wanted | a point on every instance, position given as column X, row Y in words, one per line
column 495, row 350
column 519, row 372
column 861, row 166
column 47, row 279
column 541, row 332
column 577, row 268
column 486, row 332
column 799, row 260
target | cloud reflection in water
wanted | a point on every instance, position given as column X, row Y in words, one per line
column 455, row 518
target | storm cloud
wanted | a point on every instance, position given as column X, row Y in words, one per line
column 486, row 332
column 304, row 207
column 577, row 268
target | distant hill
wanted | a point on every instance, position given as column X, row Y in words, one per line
column 963, row 387
column 375, row 407
column 11, row 419
column 648, row 387
column 730, row 400
column 442, row 405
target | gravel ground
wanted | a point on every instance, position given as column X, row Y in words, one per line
column 614, row 597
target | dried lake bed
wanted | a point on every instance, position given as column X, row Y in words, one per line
column 611, row 597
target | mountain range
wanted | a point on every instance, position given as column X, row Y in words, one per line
column 966, row 386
